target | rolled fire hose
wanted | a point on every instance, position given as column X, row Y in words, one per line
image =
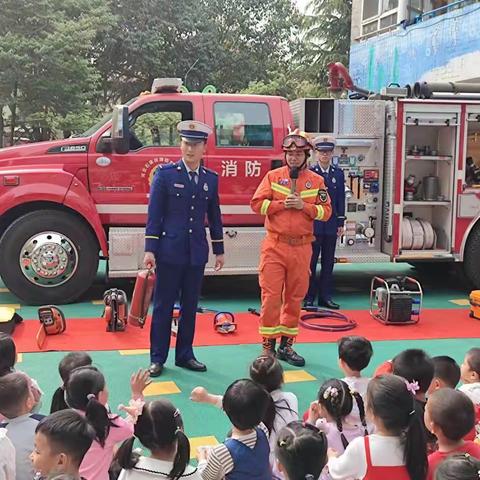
column 310, row 320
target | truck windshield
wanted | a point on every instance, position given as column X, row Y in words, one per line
column 106, row 118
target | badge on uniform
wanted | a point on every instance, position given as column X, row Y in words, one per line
column 323, row 195
column 308, row 184
column 205, row 187
column 283, row 181
column 334, row 180
column 179, row 185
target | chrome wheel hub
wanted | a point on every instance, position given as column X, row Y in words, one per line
column 48, row 259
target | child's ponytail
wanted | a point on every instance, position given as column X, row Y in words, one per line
column 361, row 410
column 97, row 415
column 415, row 455
column 125, row 457
column 182, row 457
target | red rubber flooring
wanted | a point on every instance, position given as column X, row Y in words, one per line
column 89, row 333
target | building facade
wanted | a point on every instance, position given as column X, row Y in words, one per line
column 404, row 41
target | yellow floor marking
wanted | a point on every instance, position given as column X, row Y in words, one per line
column 97, row 302
column 291, row 376
column 161, row 388
column 4, row 290
column 460, row 301
column 16, row 306
column 141, row 351
column 19, row 357
column 196, row 442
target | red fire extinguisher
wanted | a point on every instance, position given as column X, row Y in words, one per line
column 141, row 298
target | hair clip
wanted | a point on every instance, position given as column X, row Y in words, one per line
column 282, row 443
column 309, row 476
column 412, row 413
column 91, row 396
column 330, row 392
column 412, row 387
column 176, row 413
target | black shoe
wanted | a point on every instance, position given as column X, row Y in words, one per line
column 290, row 356
column 308, row 302
column 192, row 364
column 328, row 304
column 287, row 353
column 155, row 369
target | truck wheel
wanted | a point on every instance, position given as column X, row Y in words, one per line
column 471, row 258
column 48, row 257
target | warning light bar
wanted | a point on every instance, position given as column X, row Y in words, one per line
column 166, row 85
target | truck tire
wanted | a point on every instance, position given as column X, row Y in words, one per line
column 471, row 258
column 48, row 257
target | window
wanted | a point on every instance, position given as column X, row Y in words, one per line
column 243, row 124
column 370, row 9
column 155, row 124
column 378, row 15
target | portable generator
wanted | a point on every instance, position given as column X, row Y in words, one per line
column 475, row 304
column 396, row 301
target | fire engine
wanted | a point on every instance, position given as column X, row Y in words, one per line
column 413, row 194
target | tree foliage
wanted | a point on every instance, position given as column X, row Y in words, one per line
column 64, row 62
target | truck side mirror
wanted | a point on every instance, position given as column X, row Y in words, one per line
column 120, row 130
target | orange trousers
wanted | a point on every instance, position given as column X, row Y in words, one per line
column 284, row 274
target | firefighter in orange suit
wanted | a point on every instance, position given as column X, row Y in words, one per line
column 291, row 197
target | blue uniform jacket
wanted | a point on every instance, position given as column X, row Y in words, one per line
column 175, row 230
column 335, row 183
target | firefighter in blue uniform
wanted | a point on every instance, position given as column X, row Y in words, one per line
column 326, row 233
column 181, row 196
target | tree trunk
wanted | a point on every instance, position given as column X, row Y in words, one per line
column 2, row 126
column 13, row 110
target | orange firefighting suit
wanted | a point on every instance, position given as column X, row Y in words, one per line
column 284, row 268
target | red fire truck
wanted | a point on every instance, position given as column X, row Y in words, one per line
column 411, row 196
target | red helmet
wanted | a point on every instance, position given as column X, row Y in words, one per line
column 296, row 140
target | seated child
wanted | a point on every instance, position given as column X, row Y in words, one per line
column 245, row 454
column 61, row 441
column 282, row 408
column 301, row 451
column 16, row 403
column 470, row 377
column 87, row 393
column 159, row 428
column 459, row 467
column 397, row 450
column 69, row 362
column 7, row 457
column 8, row 358
column 417, row 367
column 446, row 373
column 331, row 412
column 354, row 354
column 449, row 415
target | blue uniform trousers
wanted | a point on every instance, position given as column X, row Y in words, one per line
column 174, row 281
column 323, row 289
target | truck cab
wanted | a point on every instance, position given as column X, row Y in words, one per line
column 66, row 204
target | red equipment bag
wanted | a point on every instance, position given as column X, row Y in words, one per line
column 141, row 298
column 115, row 313
column 52, row 322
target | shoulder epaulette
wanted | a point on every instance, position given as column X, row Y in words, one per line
column 208, row 170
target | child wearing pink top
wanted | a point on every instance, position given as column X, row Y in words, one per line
column 87, row 393
column 331, row 413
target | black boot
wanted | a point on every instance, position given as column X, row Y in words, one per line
column 287, row 353
column 269, row 346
